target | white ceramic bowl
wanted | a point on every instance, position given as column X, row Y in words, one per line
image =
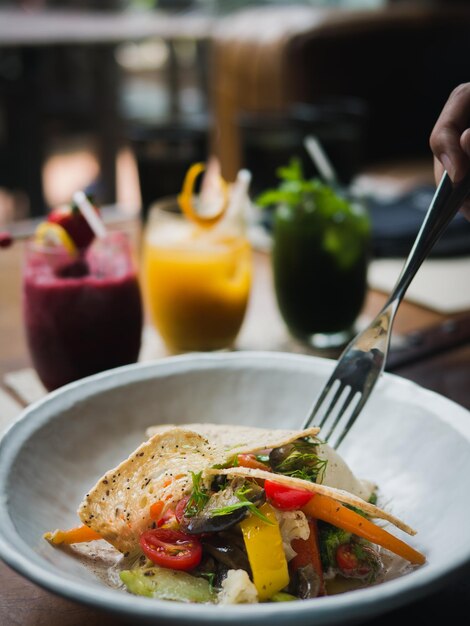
column 414, row 443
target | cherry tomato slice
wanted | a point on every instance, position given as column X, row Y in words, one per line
column 286, row 498
column 345, row 558
column 180, row 508
column 171, row 548
column 168, row 519
column 350, row 564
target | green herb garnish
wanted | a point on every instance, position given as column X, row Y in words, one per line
column 210, row 577
column 303, row 462
column 242, row 502
column 232, row 462
column 335, row 218
column 294, row 189
column 198, row 498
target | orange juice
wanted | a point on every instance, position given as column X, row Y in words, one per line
column 196, row 282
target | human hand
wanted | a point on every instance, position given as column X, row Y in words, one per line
column 450, row 139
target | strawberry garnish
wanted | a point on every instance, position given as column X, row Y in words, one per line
column 6, row 239
column 71, row 220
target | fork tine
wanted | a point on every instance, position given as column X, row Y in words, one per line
column 318, row 403
column 352, row 419
column 341, row 412
column 332, row 405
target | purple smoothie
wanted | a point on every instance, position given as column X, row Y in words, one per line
column 81, row 316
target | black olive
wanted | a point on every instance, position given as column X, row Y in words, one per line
column 278, row 455
column 306, row 582
column 206, row 522
column 219, row 482
column 228, row 548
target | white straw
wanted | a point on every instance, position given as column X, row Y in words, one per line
column 318, row 156
column 94, row 221
column 240, row 189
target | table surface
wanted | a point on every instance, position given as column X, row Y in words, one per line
column 444, row 366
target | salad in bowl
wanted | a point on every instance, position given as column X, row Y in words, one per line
column 225, row 515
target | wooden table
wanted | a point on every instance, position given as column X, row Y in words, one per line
column 446, row 371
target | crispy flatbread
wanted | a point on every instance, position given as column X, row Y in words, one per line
column 118, row 506
column 337, row 494
column 246, row 439
column 241, row 439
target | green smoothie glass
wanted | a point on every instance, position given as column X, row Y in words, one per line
column 320, row 254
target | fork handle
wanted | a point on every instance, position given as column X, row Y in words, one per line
column 447, row 200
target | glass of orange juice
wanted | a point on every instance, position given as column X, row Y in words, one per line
column 196, row 279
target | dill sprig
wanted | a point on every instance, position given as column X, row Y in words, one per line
column 242, row 502
column 304, row 465
column 198, row 498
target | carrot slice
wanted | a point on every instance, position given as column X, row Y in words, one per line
column 250, row 460
column 185, row 198
column 331, row 511
column 156, row 509
column 308, row 552
column 80, row 534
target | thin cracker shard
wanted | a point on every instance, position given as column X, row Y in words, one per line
column 240, row 439
column 332, row 492
column 118, row 506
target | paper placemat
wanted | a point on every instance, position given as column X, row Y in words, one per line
column 25, row 384
column 9, row 410
column 440, row 284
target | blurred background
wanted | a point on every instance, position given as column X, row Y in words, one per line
column 121, row 96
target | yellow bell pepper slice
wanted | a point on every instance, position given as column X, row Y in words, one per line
column 185, row 198
column 263, row 544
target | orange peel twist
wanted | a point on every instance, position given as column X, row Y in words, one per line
column 185, row 198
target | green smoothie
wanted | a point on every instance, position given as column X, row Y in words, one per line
column 320, row 256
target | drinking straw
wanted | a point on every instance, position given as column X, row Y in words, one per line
column 320, row 159
column 240, row 190
column 88, row 211
column 210, row 188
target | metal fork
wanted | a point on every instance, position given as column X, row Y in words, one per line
column 363, row 361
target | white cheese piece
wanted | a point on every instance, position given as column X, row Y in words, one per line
column 237, row 588
column 337, row 474
column 293, row 525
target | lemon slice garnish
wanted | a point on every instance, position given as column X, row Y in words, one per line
column 185, row 198
column 50, row 235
